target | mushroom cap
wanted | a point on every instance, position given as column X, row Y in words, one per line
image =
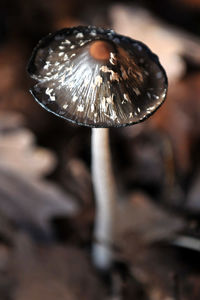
column 96, row 77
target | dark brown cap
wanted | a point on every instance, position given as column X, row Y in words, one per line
column 95, row 77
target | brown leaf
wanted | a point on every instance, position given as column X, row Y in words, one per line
column 52, row 273
column 141, row 217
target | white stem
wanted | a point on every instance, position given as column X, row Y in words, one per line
column 104, row 191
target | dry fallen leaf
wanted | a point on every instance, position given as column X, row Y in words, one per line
column 26, row 198
column 18, row 150
column 142, row 217
column 53, row 272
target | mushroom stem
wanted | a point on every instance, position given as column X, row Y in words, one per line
column 104, row 190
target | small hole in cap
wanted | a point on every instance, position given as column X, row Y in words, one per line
column 100, row 50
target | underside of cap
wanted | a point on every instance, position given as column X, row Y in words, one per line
column 97, row 78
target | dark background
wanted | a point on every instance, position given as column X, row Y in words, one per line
column 46, row 199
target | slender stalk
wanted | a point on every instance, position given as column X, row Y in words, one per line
column 104, row 191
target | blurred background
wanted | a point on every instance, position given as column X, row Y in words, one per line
column 46, row 198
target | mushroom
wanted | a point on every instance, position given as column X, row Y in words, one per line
column 98, row 78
